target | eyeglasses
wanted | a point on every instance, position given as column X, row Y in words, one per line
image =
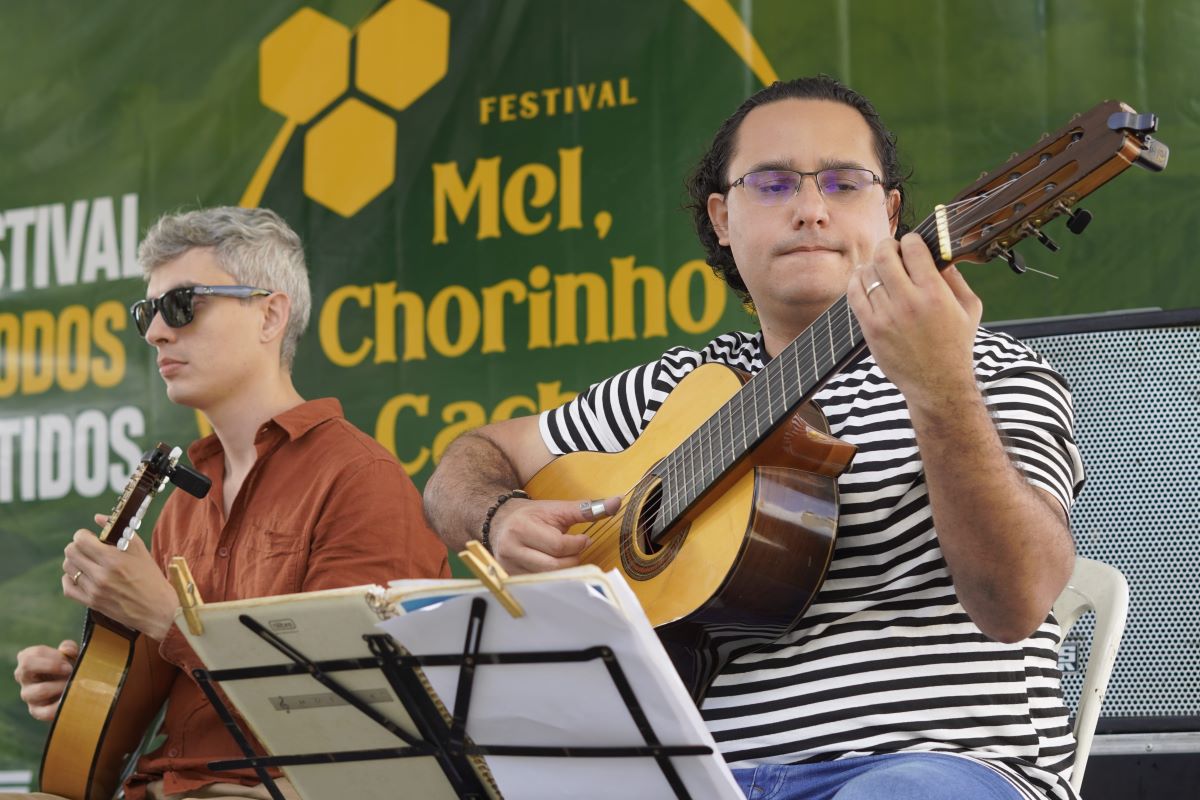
column 178, row 305
column 773, row 187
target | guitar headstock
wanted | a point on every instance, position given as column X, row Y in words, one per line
column 156, row 468
column 1015, row 200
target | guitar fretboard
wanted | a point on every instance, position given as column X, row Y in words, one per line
column 756, row 410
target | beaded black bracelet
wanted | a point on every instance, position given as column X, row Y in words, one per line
column 491, row 512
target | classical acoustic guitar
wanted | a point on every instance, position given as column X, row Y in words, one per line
column 119, row 682
column 729, row 511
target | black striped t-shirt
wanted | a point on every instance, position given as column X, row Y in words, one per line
column 886, row 658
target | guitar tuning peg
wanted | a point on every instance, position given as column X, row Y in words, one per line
column 1078, row 219
column 1017, row 263
column 1038, row 234
column 1014, row 259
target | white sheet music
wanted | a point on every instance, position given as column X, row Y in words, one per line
column 567, row 704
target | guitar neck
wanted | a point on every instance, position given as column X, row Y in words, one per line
column 787, row 381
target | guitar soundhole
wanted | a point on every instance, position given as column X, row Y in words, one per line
column 642, row 558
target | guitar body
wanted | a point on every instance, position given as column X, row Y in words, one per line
column 118, row 686
column 745, row 562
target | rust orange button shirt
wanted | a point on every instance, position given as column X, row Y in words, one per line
column 324, row 506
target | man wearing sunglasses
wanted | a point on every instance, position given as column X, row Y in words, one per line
column 301, row 500
column 924, row 667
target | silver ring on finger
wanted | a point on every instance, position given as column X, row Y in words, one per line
column 592, row 508
column 875, row 285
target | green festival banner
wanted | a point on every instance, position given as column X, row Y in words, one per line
column 491, row 197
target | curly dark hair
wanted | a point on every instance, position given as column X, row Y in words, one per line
column 710, row 175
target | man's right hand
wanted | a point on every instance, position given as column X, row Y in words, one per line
column 530, row 535
column 42, row 673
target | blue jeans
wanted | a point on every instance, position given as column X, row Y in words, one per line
column 899, row 776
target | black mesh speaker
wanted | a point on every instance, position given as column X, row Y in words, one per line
column 1135, row 379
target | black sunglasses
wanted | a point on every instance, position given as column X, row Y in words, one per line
column 178, row 305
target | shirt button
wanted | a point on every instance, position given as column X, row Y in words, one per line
column 223, row 552
column 173, row 752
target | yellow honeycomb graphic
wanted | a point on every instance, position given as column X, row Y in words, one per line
column 349, row 157
column 402, row 51
column 399, row 73
column 294, row 78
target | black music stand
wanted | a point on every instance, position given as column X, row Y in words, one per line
column 439, row 735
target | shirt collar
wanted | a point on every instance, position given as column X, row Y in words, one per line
column 301, row 419
column 295, row 422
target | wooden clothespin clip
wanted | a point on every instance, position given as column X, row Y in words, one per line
column 185, row 589
column 491, row 574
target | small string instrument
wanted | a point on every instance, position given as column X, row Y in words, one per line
column 119, row 682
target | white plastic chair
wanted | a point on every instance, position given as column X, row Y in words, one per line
column 1098, row 587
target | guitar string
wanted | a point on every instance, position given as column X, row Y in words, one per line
column 929, row 225
column 601, row 530
column 954, row 210
column 844, row 336
column 932, row 219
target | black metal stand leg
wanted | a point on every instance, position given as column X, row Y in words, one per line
column 639, row 718
column 235, row 731
column 466, row 673
column 451, row 756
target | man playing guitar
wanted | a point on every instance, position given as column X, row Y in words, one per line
column 302, row 500
column 924, row 667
